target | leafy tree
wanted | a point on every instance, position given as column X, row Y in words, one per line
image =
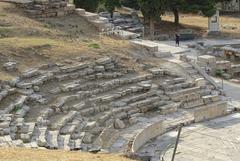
column 110, row 5
column 88, row 5
column 131, row 4
column 152, row 10
column 207, row 7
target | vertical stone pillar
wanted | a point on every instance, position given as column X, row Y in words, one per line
column 214, row 24
column 232, row 57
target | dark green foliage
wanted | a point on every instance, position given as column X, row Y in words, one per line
column 207, row 7
column 131, row 4
column 152, row 8
column 88, row 5
column 94, row 45
column 110, row 5
column 101, row 8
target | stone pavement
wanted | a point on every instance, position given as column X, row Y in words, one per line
column 18, row 1
column 231, row 89
column 210, row 42
column 215, row 140
column 162, row 47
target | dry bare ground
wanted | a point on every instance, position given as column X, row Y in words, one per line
column 20, row 154
column 230, row 24
column 31, row 42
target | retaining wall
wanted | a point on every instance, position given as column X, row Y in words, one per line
column 146, row 134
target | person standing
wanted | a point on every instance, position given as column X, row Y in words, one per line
column 177, row 39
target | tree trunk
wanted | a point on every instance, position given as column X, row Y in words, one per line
column 111, row 14
column 152, row 28
column 176, row 15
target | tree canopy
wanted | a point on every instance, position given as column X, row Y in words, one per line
column 152, row 10
column 88, row 5
column 207, row 7
column 110, row 5
column 131, row 4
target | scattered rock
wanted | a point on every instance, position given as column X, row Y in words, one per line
column 119, row 124
column 10, row 66
column 36, row 88
column 87, row 138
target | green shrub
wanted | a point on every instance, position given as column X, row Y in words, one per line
column 2, row 15
column 219, row 72
column 16, row 108
column 88, row 5
column 101, row 8
column 131, row 4
column 94, row 45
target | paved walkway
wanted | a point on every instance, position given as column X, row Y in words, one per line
column 209, row 42
column 215, row 140
column 18, row 1
column 163, row 47
column 231, row 89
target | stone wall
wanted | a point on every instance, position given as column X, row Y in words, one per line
column 232, row 6
column 48, row 8
column 146, row 134
column 202, row 113
column 210, row 111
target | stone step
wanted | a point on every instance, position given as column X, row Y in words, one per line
column 91, row 16
column 80, row 11
column 64, row 120
column 104, row 19
column 52, row 139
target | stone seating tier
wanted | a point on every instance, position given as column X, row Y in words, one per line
column 78, row 106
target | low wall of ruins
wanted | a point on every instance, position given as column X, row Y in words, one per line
column 146, row 134
column 210, row 111
column 200, row 114
column 45, row 8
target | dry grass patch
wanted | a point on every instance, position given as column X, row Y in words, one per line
column 200, row 23
column 21, row 154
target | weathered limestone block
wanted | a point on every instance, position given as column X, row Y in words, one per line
column 91, row 125
column 77, row 144
column 53, row 139
column 62, row 122
column 105, row 117
column 119, row 104
column 17, row 105
column 79, row 106
column 24, row 85
column 146, row 86
column 99, row 68
column 30, row 73
column 122, row 115
column 119, row 124
column 18, row 143
column 103, row 61
column 10, row 66
column 87, row 112
column 68, row 69
column 133, row 111
column 87, row 138
column 3, row 94
column 132, row 120
column 157, row 71
column 65, row 141
column 211, row 98
column 170, row 108
column 22, row 112
column 69, row 129
column 5, row 124
column 41, row 141
column 26, row 138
